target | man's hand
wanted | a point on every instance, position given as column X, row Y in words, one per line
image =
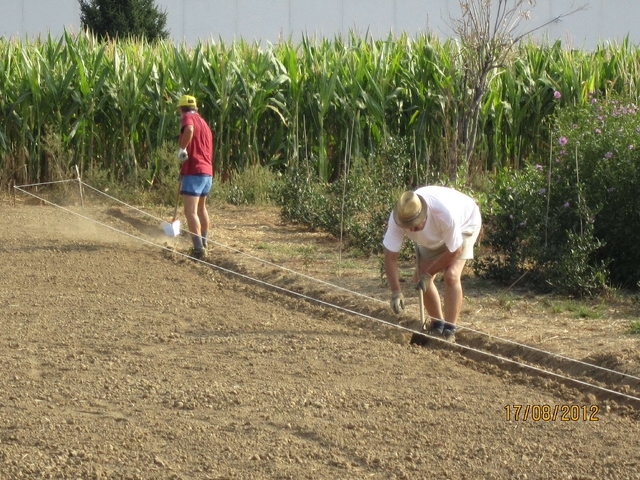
column 397, row 302
column 423, row 281
column 183, row 155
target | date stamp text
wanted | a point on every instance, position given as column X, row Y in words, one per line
column 552, row 413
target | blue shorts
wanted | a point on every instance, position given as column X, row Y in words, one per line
column 196, row 185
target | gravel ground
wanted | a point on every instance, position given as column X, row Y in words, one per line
column 123, row 360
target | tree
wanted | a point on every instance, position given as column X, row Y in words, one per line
column 124, row 18
column 488, row 31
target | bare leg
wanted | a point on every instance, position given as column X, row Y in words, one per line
column 431, row 296
column 193, row 220
column 432, row 301
column 203, row 214
column 453, row 291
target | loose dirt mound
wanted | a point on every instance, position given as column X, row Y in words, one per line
column 121, row 359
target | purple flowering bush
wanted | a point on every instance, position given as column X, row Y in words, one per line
column 536, row 232
column 603, row 138
column 570, row 222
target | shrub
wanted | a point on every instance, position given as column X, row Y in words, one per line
column 255, row 185
column 533, row 227
column 571, row 224
column 358, row 204
column 604, row 138
column 303, row 198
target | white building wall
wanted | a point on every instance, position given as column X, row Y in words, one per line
column 270, row 20
column 38, row 17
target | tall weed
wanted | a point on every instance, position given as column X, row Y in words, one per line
column 254, row 185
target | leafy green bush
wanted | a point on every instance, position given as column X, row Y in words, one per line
column 358, row 204
column 254, row 185
column 572, row 223
column 534, row 227
column 303, row 198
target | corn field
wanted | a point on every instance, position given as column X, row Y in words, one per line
column 112, row 106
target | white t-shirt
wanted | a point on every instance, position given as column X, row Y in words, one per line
column 450, row 213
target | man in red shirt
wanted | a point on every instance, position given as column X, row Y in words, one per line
column 196, row 174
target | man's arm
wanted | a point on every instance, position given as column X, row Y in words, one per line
column 391, row 269
column 187, row 135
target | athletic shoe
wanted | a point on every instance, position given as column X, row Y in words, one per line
column 449, row 335
column 436, row 329
column 199, row 253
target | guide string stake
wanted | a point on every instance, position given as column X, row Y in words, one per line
column 80, row 186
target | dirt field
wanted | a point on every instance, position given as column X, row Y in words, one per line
column 124, row 360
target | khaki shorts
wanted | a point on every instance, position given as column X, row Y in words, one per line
column 468, row 241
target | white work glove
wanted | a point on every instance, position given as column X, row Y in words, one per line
column 397, row 302
column 183, row 155
column 423, row 281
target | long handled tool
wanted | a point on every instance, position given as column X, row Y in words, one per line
column 173, row 229
column 175, row 211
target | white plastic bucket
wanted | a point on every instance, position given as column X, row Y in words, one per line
column 171, row 229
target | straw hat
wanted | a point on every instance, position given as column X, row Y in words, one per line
column 187, row 101
column 410, row 210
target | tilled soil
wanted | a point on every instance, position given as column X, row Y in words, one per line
column 122, row 359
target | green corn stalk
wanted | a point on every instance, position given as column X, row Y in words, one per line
column 113, row 104
column 260, row 91
column 291, row 64
column 221, row 89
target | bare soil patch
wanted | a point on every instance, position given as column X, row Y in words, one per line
column 122, row 359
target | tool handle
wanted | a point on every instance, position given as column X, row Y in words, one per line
column 423, row 319
column 175, row 211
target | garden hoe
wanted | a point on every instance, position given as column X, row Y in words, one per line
column 173, row 229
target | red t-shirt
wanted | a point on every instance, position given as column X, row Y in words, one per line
column 200, row 148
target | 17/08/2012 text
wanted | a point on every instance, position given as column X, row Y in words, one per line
column 550, row 413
